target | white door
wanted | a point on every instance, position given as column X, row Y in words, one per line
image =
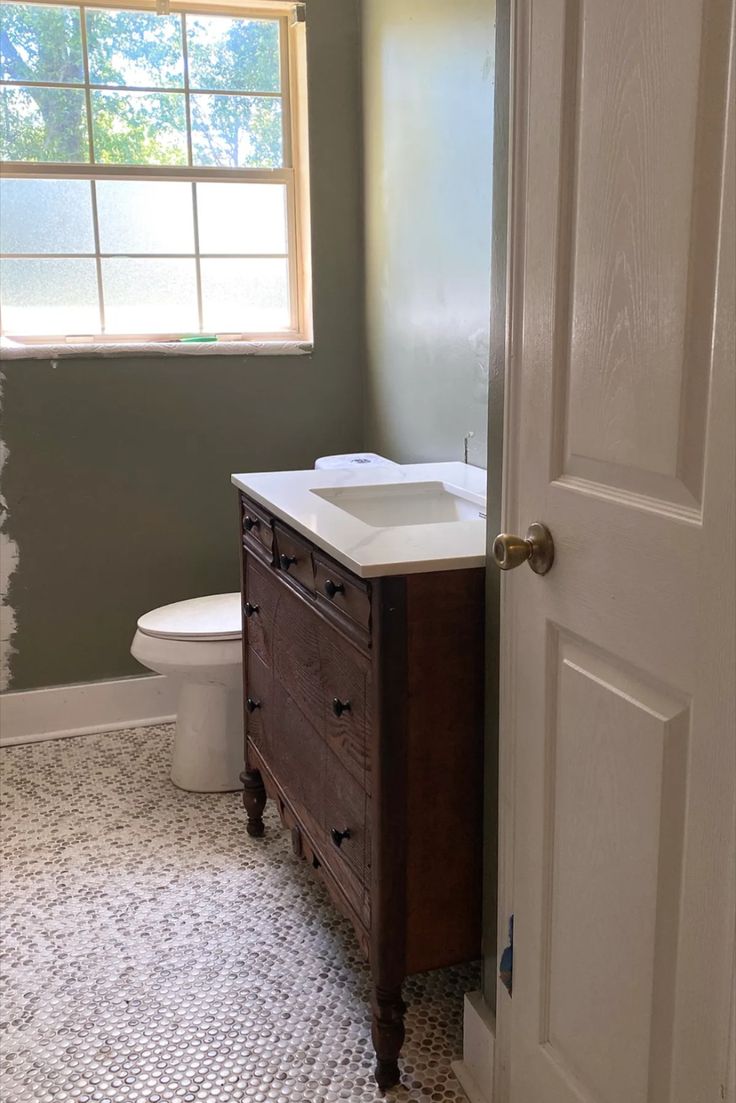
column 618, row 726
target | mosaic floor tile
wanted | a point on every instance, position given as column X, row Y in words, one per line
column 153, row 953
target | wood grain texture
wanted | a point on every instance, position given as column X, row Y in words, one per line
column 365, row 725
column 294, row 556
column 634, row 287
column 389, row 826
column 257, row 529
column 343, row 598
column 446, row 626
column 346, row 677
column 618, row 805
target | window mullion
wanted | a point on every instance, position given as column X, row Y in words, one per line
column 87, row 92
column 92, row 183
column 190, row 158
column 76, row 86
column 187, row 96
column 285, row 90
column 98, row 258
column 197, row 262
column 50, row 170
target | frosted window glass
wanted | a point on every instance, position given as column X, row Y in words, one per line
column 49, row 297
column 145, row 216
column 139, row 128
column 236, row 131
column 46, row 216
column 149, row 295
column 240, row 295
column 242, row 218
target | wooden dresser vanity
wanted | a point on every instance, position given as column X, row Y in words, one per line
column 363, row 706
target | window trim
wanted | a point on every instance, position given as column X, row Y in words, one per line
column 294, row 175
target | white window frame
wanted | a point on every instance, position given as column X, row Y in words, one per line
column 294, row 175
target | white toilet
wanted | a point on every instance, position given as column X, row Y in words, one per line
column 198, row 642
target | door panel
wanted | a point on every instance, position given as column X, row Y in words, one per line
column 617, row 672
column 615, row 782
column 636, row 294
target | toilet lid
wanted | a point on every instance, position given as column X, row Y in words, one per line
column 216, row 617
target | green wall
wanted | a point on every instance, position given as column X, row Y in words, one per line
column 428, row 111
column 117, row 481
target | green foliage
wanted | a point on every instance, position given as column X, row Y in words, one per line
column 235, row 54
column 129, row 48
column 139, row 128
column 40, row 43
column 25, row 130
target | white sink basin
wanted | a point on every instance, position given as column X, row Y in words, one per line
column 391, row 505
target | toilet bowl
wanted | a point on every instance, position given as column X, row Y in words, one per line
column 198, row 643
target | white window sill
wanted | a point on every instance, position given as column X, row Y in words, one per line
column 13, row 350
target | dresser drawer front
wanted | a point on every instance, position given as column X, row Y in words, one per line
column 257, row 529
column 259, row 702
column 326, row 677
column 294, row 557
column 342, row 597
column 322, row 793
column 344, row 813
column 263, row 591
column 346, row 682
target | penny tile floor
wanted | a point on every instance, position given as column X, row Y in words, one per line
column 153, row 953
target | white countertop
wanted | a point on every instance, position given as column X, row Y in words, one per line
column 364, row 549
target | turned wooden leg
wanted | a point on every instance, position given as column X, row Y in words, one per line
column 254, row 801
column 387, row 1032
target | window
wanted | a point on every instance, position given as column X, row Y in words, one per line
column 154, row 172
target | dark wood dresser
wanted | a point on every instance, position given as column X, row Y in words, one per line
column 364, row 707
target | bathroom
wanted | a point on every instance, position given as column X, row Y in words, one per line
column 200, row 960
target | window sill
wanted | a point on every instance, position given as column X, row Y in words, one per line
column 13, row 350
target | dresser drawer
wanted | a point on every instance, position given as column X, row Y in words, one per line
column 294, row 557
column 325, row 797
column 259, row 702
column 257, row 529
column 343, row 598
column 327, row 678
column 344, row 820
column 262, row 593
column 346, row 681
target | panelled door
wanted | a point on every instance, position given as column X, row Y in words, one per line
column 618, row 729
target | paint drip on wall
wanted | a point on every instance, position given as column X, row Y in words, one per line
column 8, row 566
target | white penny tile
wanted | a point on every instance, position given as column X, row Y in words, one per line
column 153, row 953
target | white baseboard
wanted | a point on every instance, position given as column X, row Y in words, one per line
column 29, row 716
column 475, row 1071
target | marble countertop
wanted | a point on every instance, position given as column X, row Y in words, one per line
column 366, row 550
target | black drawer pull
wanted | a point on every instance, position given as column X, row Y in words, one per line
column 332, row 588
column 339, row 707
column 286, row 561
column 338, row 836
column 251, row 609
column 250, row 523
column 251, row 704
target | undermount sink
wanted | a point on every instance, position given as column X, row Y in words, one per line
column 388, row 505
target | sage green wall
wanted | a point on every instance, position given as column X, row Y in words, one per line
column 117, row 481
column 428, row 117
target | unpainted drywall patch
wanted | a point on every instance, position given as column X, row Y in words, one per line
column 8, row 566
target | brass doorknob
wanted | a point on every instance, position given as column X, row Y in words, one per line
column 537, row 549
